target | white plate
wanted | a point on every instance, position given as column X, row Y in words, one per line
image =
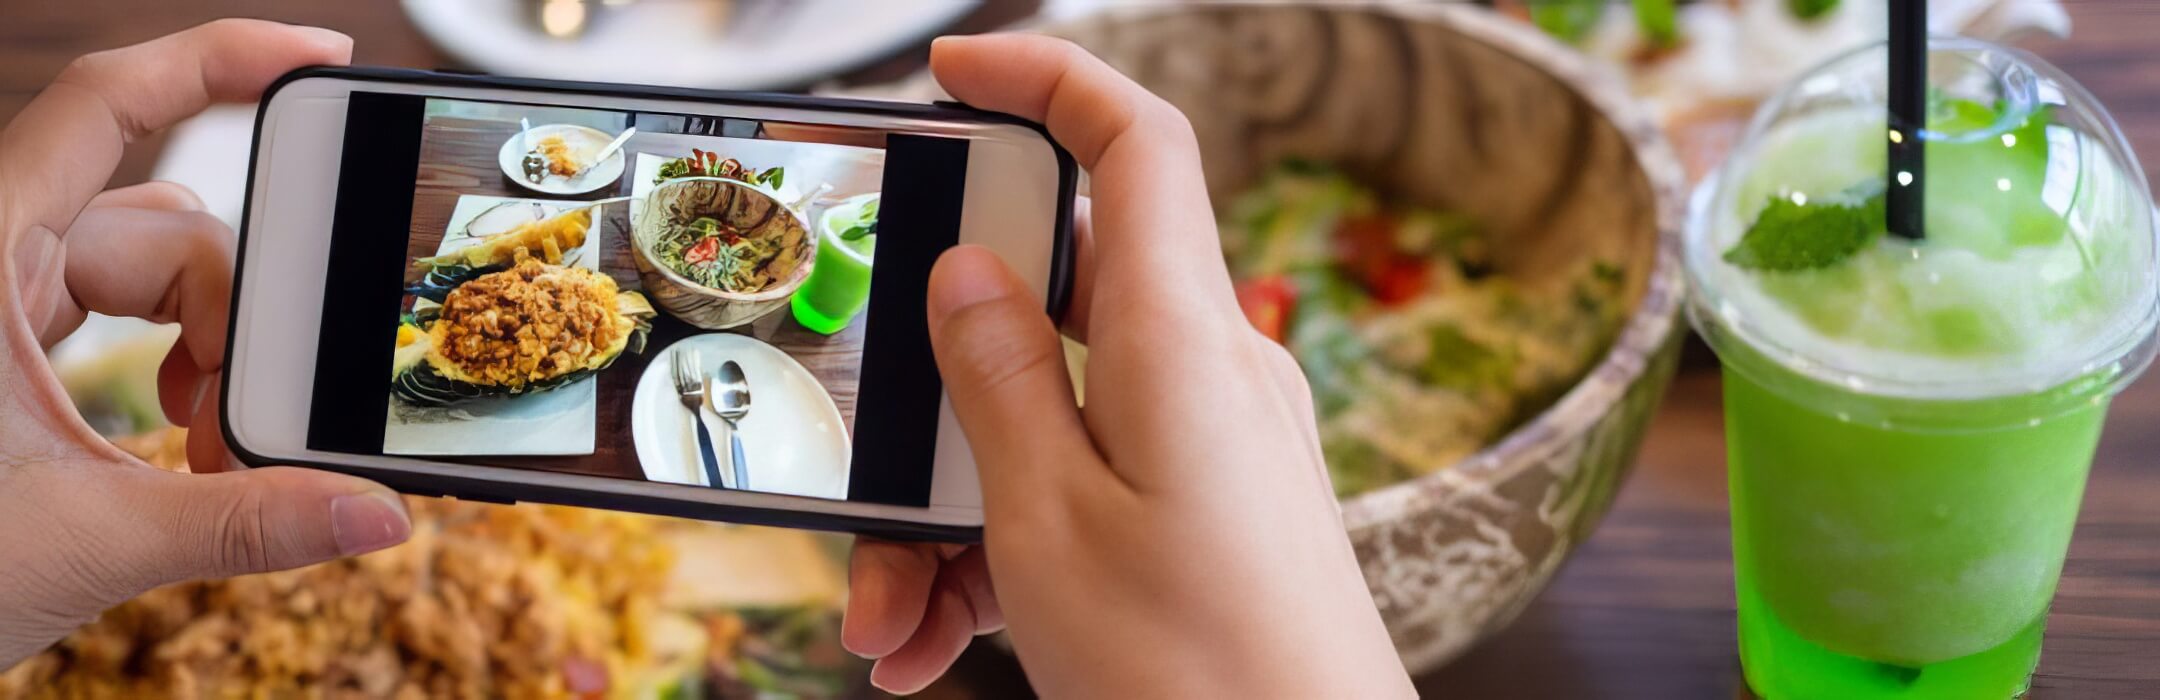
column 793, row 439
column 586, row 139
column 778, row 43
column 558, row 422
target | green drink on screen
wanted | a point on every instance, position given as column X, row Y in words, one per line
column 1909, row 422
column 839, row 283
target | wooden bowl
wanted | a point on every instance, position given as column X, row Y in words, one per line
column 1457, row 108
column 756, row 211
column 1453, row 107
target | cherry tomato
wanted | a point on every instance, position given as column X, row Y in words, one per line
column 1401, row 282
column 1365, row 248
column 1267, row 302
column 704, row 251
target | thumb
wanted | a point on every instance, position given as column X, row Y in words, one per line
column 194, row 526
column 1004, row 371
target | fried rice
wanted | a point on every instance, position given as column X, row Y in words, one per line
column 484, row 601
column 529, row 323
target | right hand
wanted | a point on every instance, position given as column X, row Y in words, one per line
column 1176, row 536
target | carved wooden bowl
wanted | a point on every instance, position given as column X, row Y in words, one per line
column 753, row 211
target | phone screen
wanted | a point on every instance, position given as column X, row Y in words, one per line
column 521, row 285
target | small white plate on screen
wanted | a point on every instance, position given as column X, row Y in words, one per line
column 585, row 139
column 793, row 439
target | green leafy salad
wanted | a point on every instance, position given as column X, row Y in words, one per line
column 711, row 253
column 1418, row 350
column 703, row 163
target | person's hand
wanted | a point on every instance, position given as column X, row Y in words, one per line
column 84, row 526
column 1177, row 536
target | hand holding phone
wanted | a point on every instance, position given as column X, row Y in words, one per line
column 1176, row 536
column 82, row 525
column 692, row 303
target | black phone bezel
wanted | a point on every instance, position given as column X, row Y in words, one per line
column 464, row 488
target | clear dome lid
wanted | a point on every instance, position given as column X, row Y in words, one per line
column 2034, row 270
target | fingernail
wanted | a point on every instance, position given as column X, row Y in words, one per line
column 202, row 390
column 367, row 521
column 849, row 641
column 881, row 676
column 947, row 43
column 327, row 38
column 969, row 276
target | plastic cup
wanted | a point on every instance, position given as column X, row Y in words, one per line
column 1909, row 423
column 839, row 283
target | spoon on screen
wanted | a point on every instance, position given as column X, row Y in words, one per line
column 730, row 396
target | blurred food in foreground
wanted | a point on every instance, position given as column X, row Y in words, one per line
column 1418, row 351
column 486, row 601
column 109, row 368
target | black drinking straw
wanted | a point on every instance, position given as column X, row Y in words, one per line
column 1904, row 194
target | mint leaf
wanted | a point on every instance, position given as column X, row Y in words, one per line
column 1658, row 22
column 1788, row 237
column 865, row 222
column 1811, row 9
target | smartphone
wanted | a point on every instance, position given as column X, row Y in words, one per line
column 683, row 302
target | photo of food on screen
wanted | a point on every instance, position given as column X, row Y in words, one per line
column 645, row 296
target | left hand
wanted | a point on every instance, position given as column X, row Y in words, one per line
column 84, row 526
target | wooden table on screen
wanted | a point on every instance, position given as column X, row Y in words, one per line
column 1645, row 608
column 458, row 158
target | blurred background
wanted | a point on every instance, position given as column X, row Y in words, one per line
column 1538, row 147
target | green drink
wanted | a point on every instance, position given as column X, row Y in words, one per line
column 839, row 284
column 1879, row 562
column 1909, row 422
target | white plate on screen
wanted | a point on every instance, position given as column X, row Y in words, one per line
column 728, row 44
column 584, row 138
column 794, row 441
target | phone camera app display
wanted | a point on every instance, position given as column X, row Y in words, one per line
column 638, row 295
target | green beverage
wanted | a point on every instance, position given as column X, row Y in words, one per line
column 1877, row 562
column 1909, row 422
column 839, row 283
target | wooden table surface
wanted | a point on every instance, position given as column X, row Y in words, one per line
column 1644, row 609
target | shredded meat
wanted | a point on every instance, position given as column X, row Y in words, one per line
column 532, row 322
column 562, row 159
